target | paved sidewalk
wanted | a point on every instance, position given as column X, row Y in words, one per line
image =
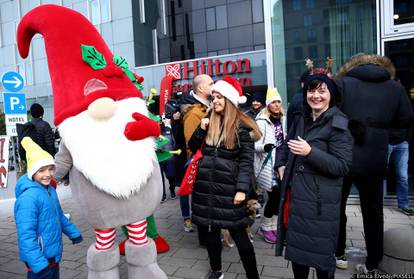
column 185, row 259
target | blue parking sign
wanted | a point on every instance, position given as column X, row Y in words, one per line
column 14, row 103
column 12, row 81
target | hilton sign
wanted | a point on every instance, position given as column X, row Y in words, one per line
column 211, row 67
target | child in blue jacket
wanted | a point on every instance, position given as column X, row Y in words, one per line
column 39, row 217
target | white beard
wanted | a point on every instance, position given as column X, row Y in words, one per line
column 103, row 154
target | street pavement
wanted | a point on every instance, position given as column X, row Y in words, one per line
column 186, row 259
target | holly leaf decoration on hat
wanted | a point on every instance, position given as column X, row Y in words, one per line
column 91, row 56
column 121, row 62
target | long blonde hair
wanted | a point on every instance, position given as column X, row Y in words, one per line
column 223, row 128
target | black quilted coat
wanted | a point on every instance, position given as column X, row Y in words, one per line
column 315, row 182
column 45, row 135
column 222, row 173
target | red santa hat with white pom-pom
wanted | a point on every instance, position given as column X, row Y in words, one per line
column 231, row 89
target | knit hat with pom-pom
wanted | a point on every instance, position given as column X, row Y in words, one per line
column 231, row 89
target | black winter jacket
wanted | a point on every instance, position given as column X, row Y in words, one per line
column 222, row 173
column 315, row 182
column 373, row 103
column 45, row 135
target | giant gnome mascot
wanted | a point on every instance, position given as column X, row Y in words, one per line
column 107, row 146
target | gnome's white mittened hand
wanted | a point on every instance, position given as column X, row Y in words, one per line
column 142, row 128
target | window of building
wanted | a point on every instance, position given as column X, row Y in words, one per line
column 99, row 11
column 307, row 20
column 221, row 17
column 216, row 18
column 257, row 9
column 25, row 70
column 296, row 5
column 311, row 35
column 298, row 53
column 326, row 33
column 211, row 19
column 297, row 36
column 310, row 4
column 313, row 51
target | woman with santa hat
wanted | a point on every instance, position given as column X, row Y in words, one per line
column 219, row 199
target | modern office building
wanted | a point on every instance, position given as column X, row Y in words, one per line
column 262, row 42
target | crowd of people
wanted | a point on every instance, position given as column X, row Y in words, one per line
column 337, row 132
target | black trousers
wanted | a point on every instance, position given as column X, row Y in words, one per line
column 302, row 272
column 371, row 199
column 244, row 246
column 272, row 205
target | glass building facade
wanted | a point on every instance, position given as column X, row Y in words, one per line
column 209, row 28
column 318, row 29
column 176, row 30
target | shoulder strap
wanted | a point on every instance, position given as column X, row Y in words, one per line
column 268, row 157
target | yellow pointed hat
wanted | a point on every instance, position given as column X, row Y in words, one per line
column 272, row 95
column 36, row 157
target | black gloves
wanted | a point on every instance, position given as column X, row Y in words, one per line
column 268, row 147
column 77, row 240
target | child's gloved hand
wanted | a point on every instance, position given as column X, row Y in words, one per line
column 77, row 240
column 142, row 128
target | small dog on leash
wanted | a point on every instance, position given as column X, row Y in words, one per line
column 252, row 207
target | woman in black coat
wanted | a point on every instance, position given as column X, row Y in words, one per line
column 224, row 177
column 315, row 158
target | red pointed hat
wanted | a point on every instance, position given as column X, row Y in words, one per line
column 82, row 67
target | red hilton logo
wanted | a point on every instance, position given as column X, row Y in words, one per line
column 173, row 70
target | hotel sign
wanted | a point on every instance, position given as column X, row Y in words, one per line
column 185, row 71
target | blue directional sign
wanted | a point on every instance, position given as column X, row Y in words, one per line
column 12, row 81
column 14, row 103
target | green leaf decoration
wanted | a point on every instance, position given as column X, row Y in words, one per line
column 156, row 118
column 150, row 102
column 140, row 87
column 161, row 142
column 129, row 74
column 121, row 62
column 163, row 156
column 91, row 56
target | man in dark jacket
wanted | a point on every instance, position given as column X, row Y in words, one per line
column 193, row 107
column 45, row 135
column 374, row 103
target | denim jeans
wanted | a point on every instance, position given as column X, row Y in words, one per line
column 185, row 206
column 48, row 273
column 400, row 152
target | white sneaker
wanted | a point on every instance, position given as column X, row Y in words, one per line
column 341, row 262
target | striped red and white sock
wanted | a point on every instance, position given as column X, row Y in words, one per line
column 138, row 233
column 105, row 239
